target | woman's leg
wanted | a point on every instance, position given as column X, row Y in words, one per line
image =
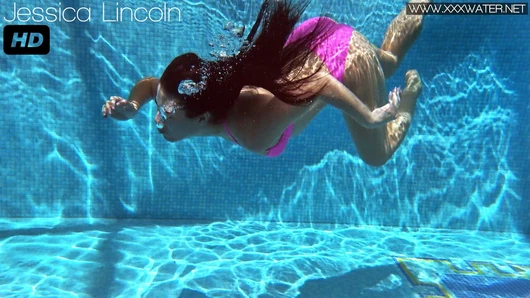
column 399, row 37
column 365, row 77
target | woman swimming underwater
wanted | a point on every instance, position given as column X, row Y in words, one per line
column 279, row 80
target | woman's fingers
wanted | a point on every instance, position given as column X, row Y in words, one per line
column 116, row 105
column 110, row 105
column 394, row 97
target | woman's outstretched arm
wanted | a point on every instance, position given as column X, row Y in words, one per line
column 142, row 92
column 339, row 96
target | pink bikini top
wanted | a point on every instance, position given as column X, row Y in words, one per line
column 275, row 150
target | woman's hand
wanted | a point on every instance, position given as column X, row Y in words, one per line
column 119, row 108
column 389, row 111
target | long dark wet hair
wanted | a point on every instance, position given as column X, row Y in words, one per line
column 264, row 60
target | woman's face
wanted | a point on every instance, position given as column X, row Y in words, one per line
column 171, row 120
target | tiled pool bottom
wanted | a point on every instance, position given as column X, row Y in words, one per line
column 256, row 259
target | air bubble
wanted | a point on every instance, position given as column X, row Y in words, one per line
column 229, row 26
column 189, row 87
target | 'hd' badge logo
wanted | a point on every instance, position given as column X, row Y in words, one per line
column 26, row 39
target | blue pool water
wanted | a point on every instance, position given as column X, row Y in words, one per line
column 91, row 207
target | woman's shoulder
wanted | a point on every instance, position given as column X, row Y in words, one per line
column 253, row 105
column 250, row 119
column 253, row 98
